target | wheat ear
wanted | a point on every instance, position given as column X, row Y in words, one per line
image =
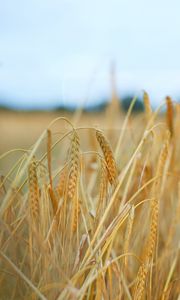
column 74, row 165
column 143, row 270
column 141, row 279
column 169, row 115
column 60, row 188
column 50, row 189
column 147, row 106
column 155, row 202
column 102, row 190
column 109, row 157
column 76, row 214
column 33, row 189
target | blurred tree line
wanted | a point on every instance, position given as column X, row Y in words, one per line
column 101, row 105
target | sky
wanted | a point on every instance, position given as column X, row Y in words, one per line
column 55, row 52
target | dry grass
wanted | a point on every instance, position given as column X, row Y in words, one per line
column 93, row 212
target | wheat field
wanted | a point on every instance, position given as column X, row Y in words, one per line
column 92, row 209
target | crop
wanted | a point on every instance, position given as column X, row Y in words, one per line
column 93, row 212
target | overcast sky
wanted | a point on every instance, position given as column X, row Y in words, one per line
column 52, row 50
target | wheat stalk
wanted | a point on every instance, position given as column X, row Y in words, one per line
column 128, row 234
column 49, row 143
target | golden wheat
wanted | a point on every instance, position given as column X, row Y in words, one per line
column 74, row 165
column 169, row 115
column 109, row 157
column 74, row 227
column 33, row 189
